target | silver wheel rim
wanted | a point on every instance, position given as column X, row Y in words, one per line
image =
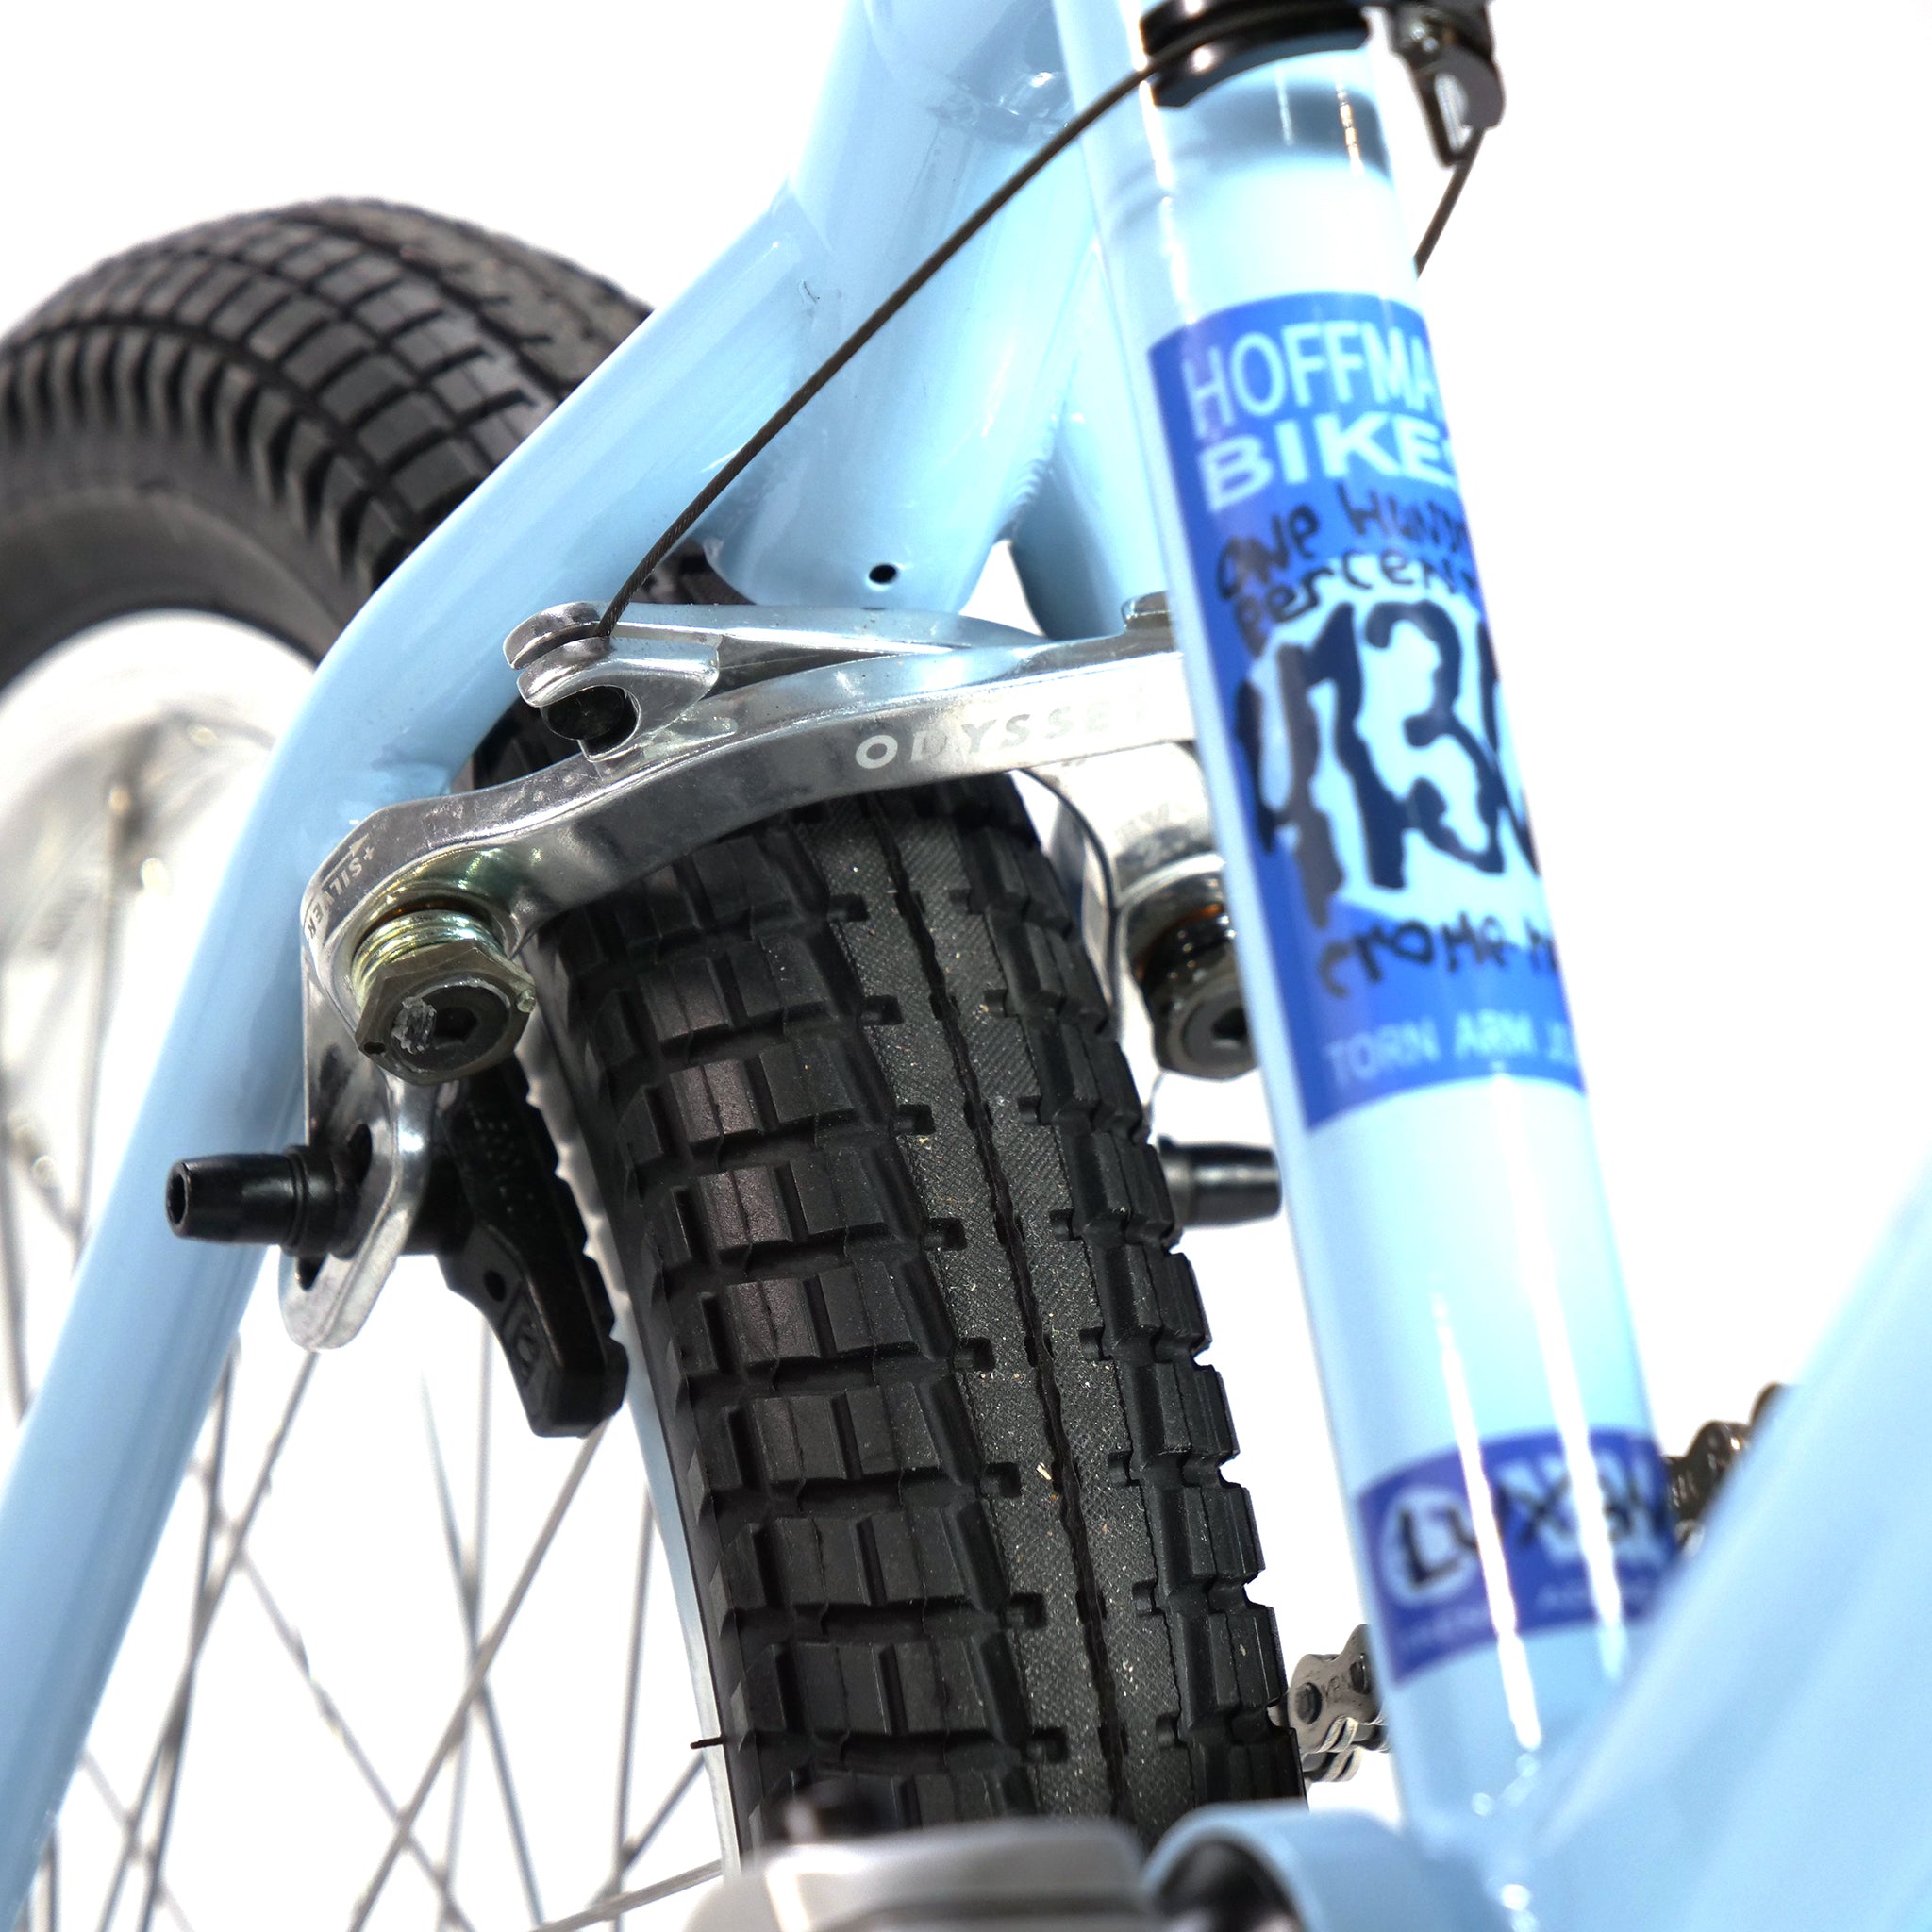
column 376, row 1678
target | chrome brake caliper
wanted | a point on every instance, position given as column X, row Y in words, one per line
column 691, row 721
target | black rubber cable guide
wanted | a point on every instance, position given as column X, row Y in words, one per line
column 1254, row 31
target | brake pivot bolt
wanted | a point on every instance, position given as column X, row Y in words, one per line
column 1192, row 986
column 437, row 997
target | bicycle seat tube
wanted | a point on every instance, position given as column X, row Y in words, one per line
column 1505, row 1497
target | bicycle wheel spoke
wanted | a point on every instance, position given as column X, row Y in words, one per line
column 231, row 1556
column 485, row 1656
column 451, row 1841
column 629, row 1901
column 466, row 1570
column 13, row 1272
column 492, row 1723
column 123, row 1817
column 29, row 1156
column 518, row 1839
column 334, row 1722
column 12, row 1306
column 639, row 1843
column 462, row 1564
column 124, row 817
column 633, row 1662
column 204, row 1616
column 468, row 1574
column 44, row 1903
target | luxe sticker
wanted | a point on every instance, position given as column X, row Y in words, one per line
column 1443, row 1577
column 1317, row 487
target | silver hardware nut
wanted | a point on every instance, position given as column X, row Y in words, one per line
column 437, row 997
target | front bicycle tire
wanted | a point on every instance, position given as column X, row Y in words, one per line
column 878, row 1183
column 900, row 1256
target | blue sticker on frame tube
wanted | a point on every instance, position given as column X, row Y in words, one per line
column 1435, row 1589
column 1351, row 650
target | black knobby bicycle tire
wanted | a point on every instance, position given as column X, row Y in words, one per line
column 262, row 416
column 875, row 1169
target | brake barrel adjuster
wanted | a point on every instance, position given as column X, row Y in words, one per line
column 1447, row 46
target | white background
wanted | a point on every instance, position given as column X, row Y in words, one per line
column 1679, row 323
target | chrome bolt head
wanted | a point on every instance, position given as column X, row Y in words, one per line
column 437, row 997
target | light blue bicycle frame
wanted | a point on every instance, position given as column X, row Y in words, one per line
column 1572, row 1754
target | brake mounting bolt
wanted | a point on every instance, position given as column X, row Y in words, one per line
column 1192, row 986
column 437, row 996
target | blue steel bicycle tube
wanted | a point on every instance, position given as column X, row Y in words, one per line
column 1710, row 1797
column 892, row 487
column 1508, row 1503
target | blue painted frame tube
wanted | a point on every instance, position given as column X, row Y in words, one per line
column 918, row 96
column 893, row 486
column 1509, row 1511
column 1084, row 542
column 1765, row 1764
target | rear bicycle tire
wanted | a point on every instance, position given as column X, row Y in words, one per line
column 262, row 416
